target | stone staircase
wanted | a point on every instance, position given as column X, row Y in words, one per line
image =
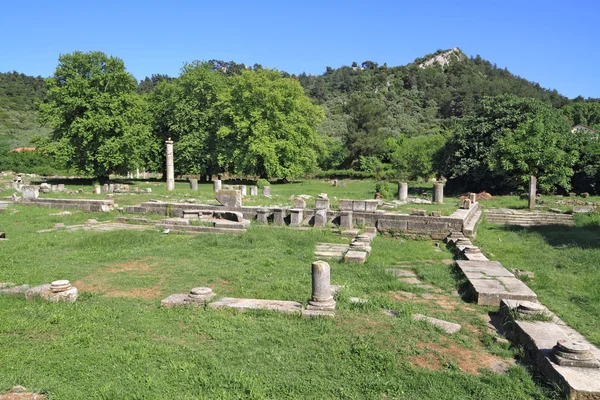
column 527, row 218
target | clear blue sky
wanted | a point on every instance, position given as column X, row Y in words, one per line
column 554, row 43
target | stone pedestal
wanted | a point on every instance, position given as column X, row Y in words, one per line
column 279, row 216
column 296, row 216
column 253, row 190
column 97, row 189
column 532, row 191
column 194, row 184
column 266, row 191
column 438, row 193
column 321, row 288
column 473, row 198
column 217, row 185
column 371, row 205
column 346, row 219
column 200, row 295
column 170, row 166
column 262, row 215
column 60, row 291
column 320, row 218
column 345, row 205
column 402, row 191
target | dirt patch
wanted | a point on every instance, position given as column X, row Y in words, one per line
column 141, row 265
column 100, row 281
column 437, row 357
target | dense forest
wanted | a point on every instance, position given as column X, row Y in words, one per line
column 445, row 114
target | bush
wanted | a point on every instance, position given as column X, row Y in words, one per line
column 262, row 183
column 384, row 189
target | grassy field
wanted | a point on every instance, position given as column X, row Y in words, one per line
column 565, row 261
column 117, row 342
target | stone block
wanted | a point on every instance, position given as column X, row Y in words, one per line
column 371, row 205
column 346, row 220
column 229, row 198
column 359, row 205
column 448, row 327
column 355, row 257
column 345, row 205
column 30, row 192
column 296, row 216
column 279, row 215
column 322, row 204
column 391, row 225
column 262, row 215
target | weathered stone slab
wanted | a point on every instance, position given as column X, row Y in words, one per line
column 318, row 313
column 174, row 300
column 12, row 290
column 448, row 327
column 400, row 273
column 356, row 257
column 328, row 254
column 243, row 304
column 350, row 232
column 229, row 198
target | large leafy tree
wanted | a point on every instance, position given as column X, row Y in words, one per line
column 99, row 120
column 186, row 110
column 269, row 126
column 507, row 139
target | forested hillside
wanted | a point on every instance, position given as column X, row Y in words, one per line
column 19, row 95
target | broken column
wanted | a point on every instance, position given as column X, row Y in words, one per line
column 346, row 220
column 97, row 189
column 105, row 188
column 266, row 191
column 296, row 216
column 473, row 198
column 61, row 290
column 199, row 295
column 466, row 204
column 438, row 193
column 532, row 191
column 30, row 192
column 572, row 353
column 321, row 299
column 217, row 184
column 402, row 191
column 320, row 218
column 262, row 215
column 253, row 190
column 170, row 166
column 194, row 184
column 243, row 189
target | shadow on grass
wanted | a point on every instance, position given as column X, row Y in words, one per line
column 584, row 235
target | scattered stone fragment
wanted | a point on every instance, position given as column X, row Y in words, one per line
column 10, row 288
column 501, row 340
column 499, row 367
column 448, row 327
column 200, row 295
column 20, row 393
column 357, row 300
column 256, row 304
column 572, row 353
column 174, row 300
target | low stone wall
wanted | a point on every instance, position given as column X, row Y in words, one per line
column 85, row 205
column 438, row 227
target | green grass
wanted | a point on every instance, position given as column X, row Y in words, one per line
column 565, row 262
column 117, row 342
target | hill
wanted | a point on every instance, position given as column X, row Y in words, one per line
column 19, row 94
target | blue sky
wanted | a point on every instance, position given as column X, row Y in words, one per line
column 554, row 43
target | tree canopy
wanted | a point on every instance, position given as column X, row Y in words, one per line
column 100, row 123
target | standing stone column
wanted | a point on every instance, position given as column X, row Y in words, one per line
column 321, row 288
column 296, row 216
column 97, row 189
column 170, row 166
column 473, row 198
column 194, row 184
column 217, row 184
column 532, row 191
column 279, row 216
column 266, row 191
column 137, row 173
column 346, row 220
column 253, row 190
column 402, row 191
column 243, row 190
column 438, row 193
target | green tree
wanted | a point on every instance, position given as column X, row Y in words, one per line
column 100, row 123
column 269, row 126
column 506, row 140
column 414, row 157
